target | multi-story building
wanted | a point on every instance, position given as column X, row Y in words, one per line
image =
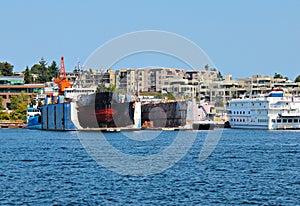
column 180, row 82
column 95, row 78
column 203, row 84
column 261, row 84
column 227, row 89
column 14, row 85
column 109, row 78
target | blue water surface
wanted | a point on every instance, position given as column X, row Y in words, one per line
column 246, row 167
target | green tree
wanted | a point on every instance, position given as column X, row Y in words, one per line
column 206, row 67
column 111, row 88
column 53, row 71
column 297, row 78
column 27, row 76
column 170, row 96
column 1, row 100
column 45, row 73
column 43, row 77
column 277, row 76
column 4, row 116
column 17, row 101
column 35, row 69
column 220, row 76
column 219, row 103
column 19, row 106
column 159, row 95
column 6, row 69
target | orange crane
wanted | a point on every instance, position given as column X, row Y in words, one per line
column 61, row 80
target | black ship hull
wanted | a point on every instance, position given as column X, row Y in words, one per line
column 103, row 109
column 168, row 114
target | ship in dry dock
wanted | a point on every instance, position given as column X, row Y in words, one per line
column 78, row 108
column 107, row 110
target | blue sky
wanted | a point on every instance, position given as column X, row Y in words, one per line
column 240, row 37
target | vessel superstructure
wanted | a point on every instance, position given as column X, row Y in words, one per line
column 274, row 111
column 33, row 112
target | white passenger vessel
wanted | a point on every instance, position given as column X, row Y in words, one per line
column 274, row 111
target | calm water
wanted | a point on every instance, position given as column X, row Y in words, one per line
column 247, row 167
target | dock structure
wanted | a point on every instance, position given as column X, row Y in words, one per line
column 105, row 112
column 11, row 124
column 57, row 117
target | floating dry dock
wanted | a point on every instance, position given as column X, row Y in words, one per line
column 58, row 117
column 100, row 112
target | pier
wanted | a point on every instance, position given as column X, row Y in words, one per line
column 11, row 124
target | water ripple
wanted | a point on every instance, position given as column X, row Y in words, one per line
column 247, row 167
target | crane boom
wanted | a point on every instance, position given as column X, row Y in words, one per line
column 62, row 70
column 61, row 80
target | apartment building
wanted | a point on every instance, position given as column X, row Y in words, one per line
column 180, row 82
column 201, row 84
column 96, row 77
column 261, row 84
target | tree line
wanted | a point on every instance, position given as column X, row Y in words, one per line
column 41, row 73
column 18, row 105
column 38, row 73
